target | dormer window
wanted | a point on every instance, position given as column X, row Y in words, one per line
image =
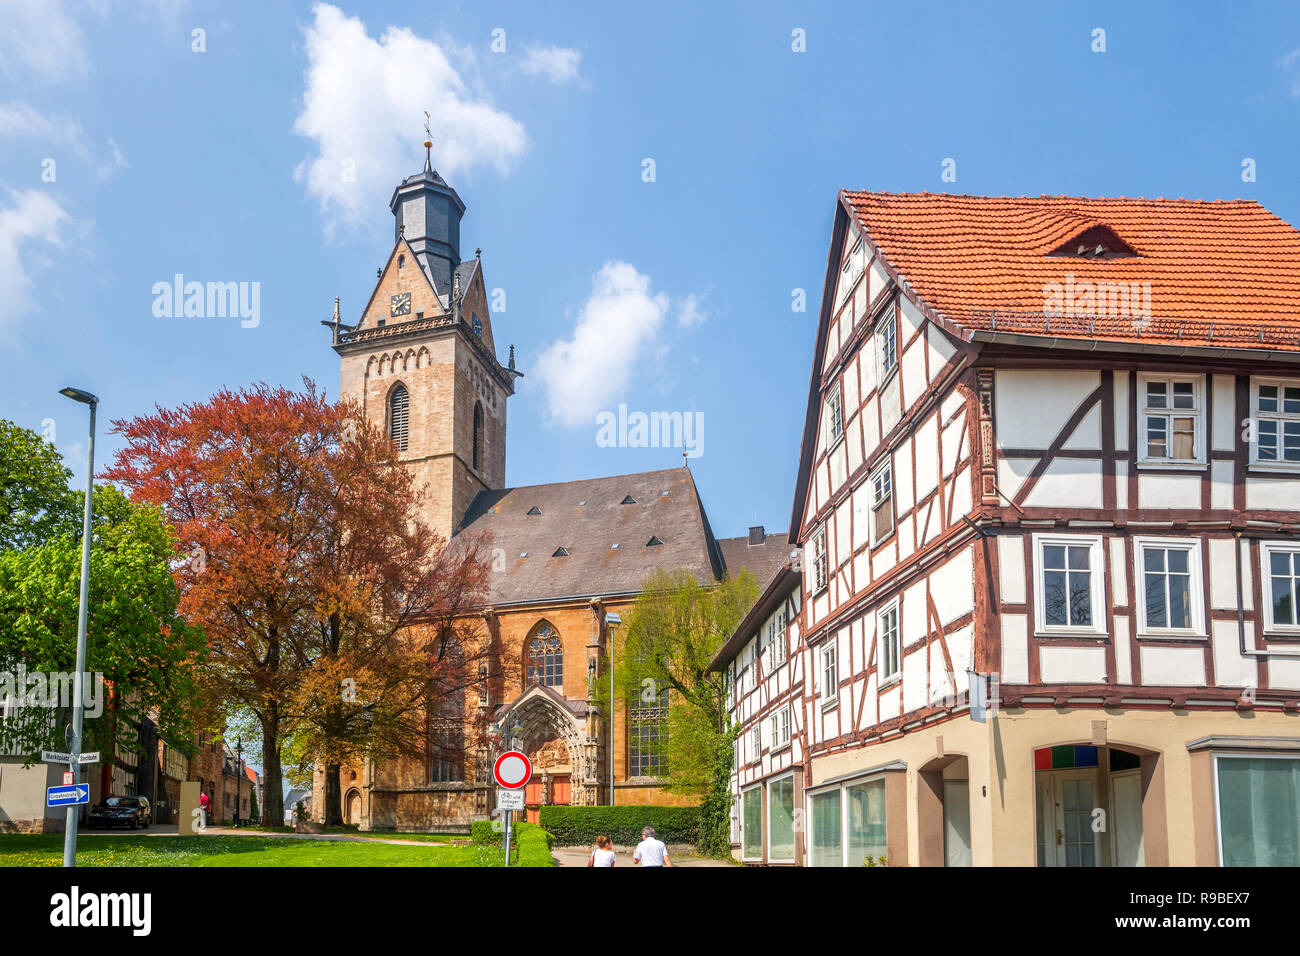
column 654, row 542
column 561, row 552
column 629, row 500
column 1095, row 242
column 534, row 510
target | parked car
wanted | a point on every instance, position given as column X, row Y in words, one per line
column 130, row 812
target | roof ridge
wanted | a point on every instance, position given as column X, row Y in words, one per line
column 1055, row 196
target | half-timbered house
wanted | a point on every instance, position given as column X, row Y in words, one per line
column 1051, row 461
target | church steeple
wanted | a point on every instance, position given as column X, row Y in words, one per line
column 427, row 212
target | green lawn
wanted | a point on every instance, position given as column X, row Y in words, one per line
column 104, row 850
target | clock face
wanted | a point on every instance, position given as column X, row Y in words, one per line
column 401, row 304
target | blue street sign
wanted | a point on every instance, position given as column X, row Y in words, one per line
column 66, row 796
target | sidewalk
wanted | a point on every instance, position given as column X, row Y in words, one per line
column 680, row 856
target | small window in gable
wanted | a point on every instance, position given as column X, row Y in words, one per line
column 477, row 325
column 834, row 417
column 1095, row 242
column 886, row 345
column 882, row 503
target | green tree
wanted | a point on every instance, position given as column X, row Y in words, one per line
column 34, row 495
column 135, row 637
column 673, row 632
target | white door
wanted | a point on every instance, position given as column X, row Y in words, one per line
column 956, row 823
column 1126, row 818
column 1066, row 801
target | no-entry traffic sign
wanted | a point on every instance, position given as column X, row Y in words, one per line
column 512, row 770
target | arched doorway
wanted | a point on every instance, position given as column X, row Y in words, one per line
column 352, row 807
column 549, row 733
column 1099, row 805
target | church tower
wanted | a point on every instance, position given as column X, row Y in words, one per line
column 421, row 359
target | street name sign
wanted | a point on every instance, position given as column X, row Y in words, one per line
column 67, row 796
column 92, row 757
column 55, row 756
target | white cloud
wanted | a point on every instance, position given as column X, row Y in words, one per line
column 558, row 64
column 40, row 40
column 618, row 324
column 33, row 217
column 363, row 105
column 20, row 119
column 113, row 160
column 689, row 312
column 1290, row 62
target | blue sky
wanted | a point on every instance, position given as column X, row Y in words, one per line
column 672, row 295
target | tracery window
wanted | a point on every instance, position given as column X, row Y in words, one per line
column 546, row 658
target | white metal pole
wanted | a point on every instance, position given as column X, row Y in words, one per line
column 611, row 715
column 74, row 809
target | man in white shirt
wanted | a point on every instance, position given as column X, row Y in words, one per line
column 651, row 852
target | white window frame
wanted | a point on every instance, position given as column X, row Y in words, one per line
column 1266, row 550
column 843, row 787
column 1097, row 567
column 767, row 835
column 1280, row 416
column 782, row 739
column 889, row 316
column 893, row 607
column 1197, row 413
column 820, row 563
column 885, row 468
column 756, row 741
column 1196, row 589
column 834, row 407
column 1234, row 755
column 830, row 690
column 780, row 637
column 762, row 824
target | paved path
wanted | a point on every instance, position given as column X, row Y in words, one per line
column 577, row 856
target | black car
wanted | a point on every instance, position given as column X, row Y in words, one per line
column 130, row 812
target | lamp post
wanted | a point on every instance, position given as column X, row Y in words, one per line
column 78, row 691
column 611, row 619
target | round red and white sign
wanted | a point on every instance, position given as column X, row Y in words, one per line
column 512, row 770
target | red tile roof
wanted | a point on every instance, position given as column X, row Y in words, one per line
column 1220, row 273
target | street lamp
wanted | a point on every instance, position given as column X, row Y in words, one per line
column 78, row 703
column 611, row 619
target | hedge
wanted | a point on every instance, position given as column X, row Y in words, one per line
column 579, row 826
column 532, row 844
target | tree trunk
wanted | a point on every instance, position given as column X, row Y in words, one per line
column 333, row 796
column 273, row 796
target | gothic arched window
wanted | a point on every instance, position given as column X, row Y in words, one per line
column 399, row 406
column 545, row 657
column 445, row 715
column 478, row 435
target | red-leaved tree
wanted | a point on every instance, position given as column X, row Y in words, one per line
column 328, row 604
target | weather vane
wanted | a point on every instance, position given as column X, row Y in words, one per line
column 428, row 140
